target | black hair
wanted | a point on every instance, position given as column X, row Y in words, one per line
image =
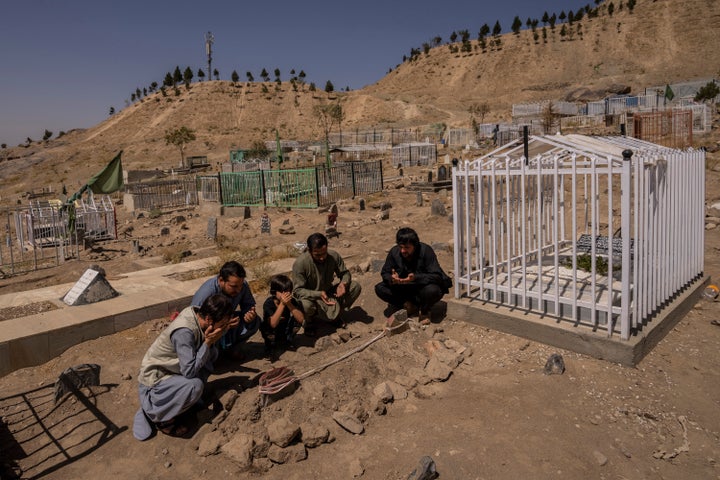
column 316, row 240
column 280, row 283
column 407, row 235
column 218, row 307
column 232, row 269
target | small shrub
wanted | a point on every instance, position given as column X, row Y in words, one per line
column 244, row 255
column 279, row 254
column 584, row 263
column 261, row 281
column 175, row 253
column 154, row 213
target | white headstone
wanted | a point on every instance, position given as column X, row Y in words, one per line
column 92, row 287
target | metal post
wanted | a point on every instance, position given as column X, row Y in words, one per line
column 317, row 187
column 625, row 207
column 352, row 176
column 262, row 187
column 220, row 190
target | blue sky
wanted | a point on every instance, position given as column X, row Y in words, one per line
column 65, row 63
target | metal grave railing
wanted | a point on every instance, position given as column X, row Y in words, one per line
column 597, row 231
column 301, row 187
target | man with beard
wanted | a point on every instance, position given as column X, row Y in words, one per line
column 314, row 274
column 412, row 277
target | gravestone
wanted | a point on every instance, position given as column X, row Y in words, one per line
column 430, row 176
column 265, row 223
column 437, row 208
column 212, row 228
column 362, row 204
column 92, row 287
column 584, row 244
column 442, row 173
column 419, row 199
column 246, row 213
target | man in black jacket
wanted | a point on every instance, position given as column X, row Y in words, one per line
column 412, row 277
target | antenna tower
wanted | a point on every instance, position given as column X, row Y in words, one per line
column 209, row 40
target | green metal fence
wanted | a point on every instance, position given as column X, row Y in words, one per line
column 300, row 188
column 241, row 188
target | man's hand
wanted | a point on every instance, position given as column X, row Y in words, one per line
column 250, row 315
column 213, row 333
column 340, row 290
column 395, row 278
column 326, row 300
column 234, row 322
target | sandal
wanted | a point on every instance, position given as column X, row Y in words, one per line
column 173, row 429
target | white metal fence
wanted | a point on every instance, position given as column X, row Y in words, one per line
column 409, row 154
column 534, row 109
column 597, row 231
column 35, row 237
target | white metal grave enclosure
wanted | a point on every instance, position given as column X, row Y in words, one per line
column 598, row 231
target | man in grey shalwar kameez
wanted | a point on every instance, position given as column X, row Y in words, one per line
column 177, row 365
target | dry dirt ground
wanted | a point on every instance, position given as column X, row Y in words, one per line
column 497, row 415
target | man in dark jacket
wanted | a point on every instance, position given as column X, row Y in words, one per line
column 412, row 277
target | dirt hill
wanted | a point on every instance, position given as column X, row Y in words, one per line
column 660, row 42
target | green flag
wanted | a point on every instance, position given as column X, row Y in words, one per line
column 110, row 179
column 669, row 94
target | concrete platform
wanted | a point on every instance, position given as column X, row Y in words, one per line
column 581, row 339
column 144, row 295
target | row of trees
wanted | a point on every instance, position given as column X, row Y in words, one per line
column 47, row 135
column 185, row 77
column 463, row 36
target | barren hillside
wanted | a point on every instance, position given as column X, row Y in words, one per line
column 661, row 41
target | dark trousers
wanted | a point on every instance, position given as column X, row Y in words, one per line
column 423, row 297
column 281, row 335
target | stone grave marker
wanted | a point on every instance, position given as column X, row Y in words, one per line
column 92, row 287
column 442, row 173
column 212, row 228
